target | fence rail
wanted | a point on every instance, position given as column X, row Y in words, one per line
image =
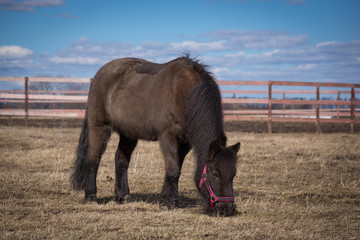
column 345, row 112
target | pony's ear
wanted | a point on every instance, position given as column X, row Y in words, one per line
column 236, row 147
column 214, row 148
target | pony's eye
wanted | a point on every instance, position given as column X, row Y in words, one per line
column 216, row 175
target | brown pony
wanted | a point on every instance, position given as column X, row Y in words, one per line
column 177, row 103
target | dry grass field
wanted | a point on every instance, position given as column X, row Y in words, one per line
column 295, row 185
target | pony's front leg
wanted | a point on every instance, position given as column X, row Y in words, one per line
column 174, row 154
column 122, row 159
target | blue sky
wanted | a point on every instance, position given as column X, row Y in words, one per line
column 293, row 40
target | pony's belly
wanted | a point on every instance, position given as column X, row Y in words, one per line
column 135, row 129
column 148, row 129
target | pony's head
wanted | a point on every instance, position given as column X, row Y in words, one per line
column 216, row 182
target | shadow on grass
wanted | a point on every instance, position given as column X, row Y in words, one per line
column 184, row 202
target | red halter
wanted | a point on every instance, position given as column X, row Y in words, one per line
column 213, row 199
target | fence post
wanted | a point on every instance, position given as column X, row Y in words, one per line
column 270, row 108
column 338, row 106
column 54, row 104
column 283, row 105
column 234, row 96
column 317, row 108
column 352, row 109
column 9, row 104
column 26, row 101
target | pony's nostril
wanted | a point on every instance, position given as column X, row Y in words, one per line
column 223, row 213
column 224, row 209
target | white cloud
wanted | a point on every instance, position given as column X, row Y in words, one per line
column 336, row 53
column 325, row 44
column 305, row 66
column 220, row 70
column 237, row 54
column 199, row 46
column 271, row 53
column 65, row 15
column 14, row 52
column 16, row 63
column 29, row 5
column 76, row 60
column 229, row 58
column 295, row 2
column 257, row 39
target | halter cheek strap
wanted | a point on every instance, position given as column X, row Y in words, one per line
column 213, row 198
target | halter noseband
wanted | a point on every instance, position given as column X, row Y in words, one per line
column 213, row 198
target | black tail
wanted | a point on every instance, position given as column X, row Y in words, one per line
column 78, row 176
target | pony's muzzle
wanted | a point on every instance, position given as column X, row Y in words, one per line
column 225, row 209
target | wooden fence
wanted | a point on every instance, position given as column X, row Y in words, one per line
column 236, row 108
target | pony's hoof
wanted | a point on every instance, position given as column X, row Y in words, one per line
column 121, row 200
column 170, row 203
column 91, row 200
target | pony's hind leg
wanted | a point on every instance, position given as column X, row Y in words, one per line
column 98, row 138
column 122, row 159
column 174, row 153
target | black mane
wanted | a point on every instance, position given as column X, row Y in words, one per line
column 203, row 112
